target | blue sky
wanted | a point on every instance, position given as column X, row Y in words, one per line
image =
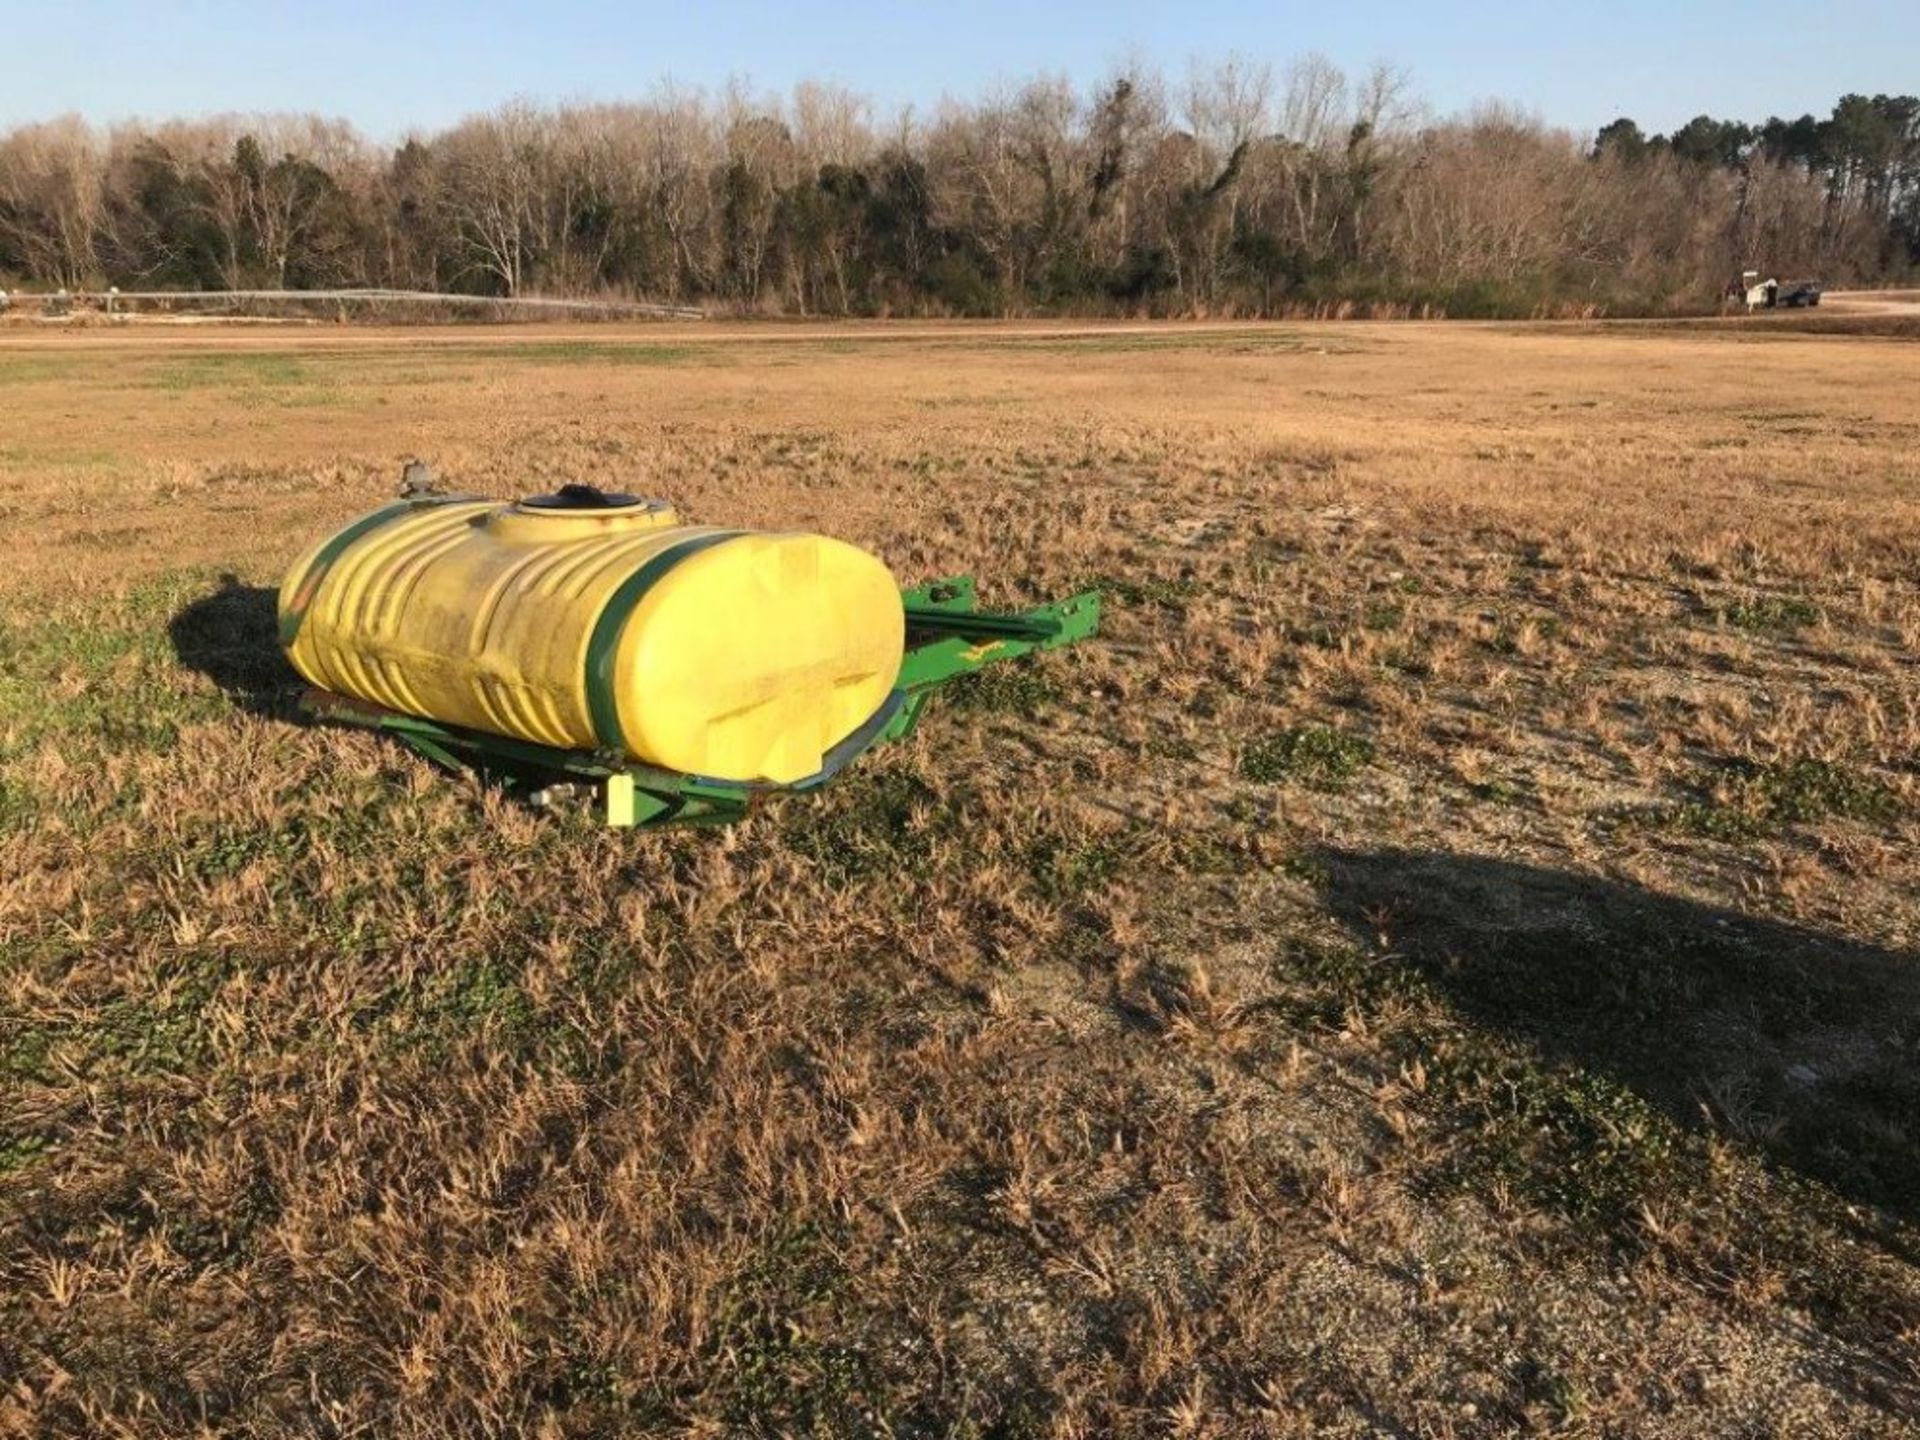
column 398, row 65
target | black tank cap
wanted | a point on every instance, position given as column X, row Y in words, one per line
column 582, row 497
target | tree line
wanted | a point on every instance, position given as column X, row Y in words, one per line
column 1244, row 189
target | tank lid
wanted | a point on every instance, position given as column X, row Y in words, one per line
column 576, row 498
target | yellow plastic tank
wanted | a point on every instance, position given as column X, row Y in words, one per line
column 589, row 621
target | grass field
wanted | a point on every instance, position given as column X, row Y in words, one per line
column 1443, row 964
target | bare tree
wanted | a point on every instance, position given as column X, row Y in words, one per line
column 494, row 174
column 289, row 169
column 760, row 162
column 831, row 126
column 1128, row 117
column 52, row 198
column 983, row 186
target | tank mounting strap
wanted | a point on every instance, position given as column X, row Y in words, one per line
column 603, row 704
column 302, row 601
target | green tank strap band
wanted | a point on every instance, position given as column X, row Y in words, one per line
column 296, row 611
column 603, row 706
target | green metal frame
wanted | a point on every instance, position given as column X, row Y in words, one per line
column 948, row 636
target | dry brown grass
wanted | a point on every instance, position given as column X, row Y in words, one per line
column 1443, row 965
